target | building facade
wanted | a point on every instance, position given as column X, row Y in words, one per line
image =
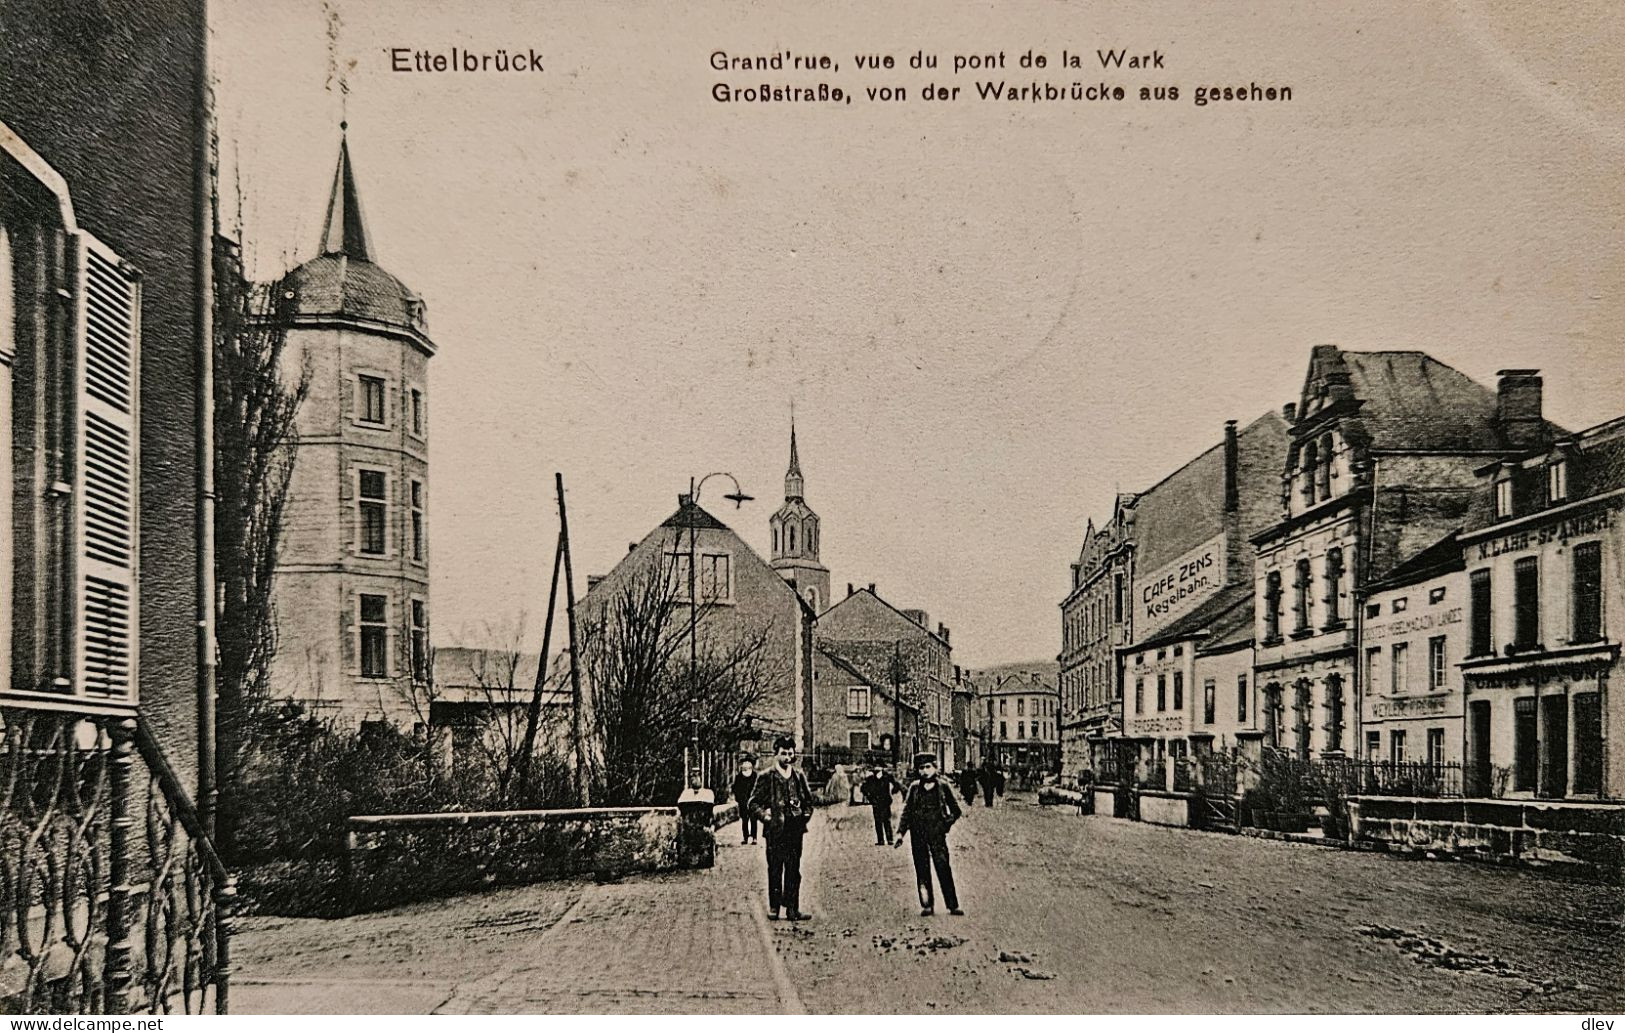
column 352, row 581
column 1545, row 583
column 897, row 648
column 796, row 533
column 1380, row 465
column 856, row 717
column 1022, row 712
column 1094, row 623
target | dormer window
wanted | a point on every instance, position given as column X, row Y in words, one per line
column 1503, row 498
column 1557, row 481
column 1311, row 462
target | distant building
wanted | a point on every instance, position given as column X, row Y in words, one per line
column 856, row 716
column 1543, row 565
column 796, row 534
column 1381, row 464
column 1022, row 713
column 1095, row 618
column 352, row 581
column 871, row 634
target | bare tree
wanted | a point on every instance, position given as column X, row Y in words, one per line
column 255, row 405
column 635, row 656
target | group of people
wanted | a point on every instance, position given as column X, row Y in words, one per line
column 779, row 803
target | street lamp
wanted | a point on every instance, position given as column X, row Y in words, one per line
column 738, row 497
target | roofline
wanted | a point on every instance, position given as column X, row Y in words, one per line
column 1504, row 526
column 850, row 668
column 900, row 613
column 338, row 321
column 43, row 172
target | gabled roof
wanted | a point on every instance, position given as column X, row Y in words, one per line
column 690, row 514
column 1405, row 401
column 900, row 615
column 852, row 669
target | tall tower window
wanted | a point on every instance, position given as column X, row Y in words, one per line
column 374, row 508
column 371, row 391
column 791, row 531
column 374, row 629
column 417, row 521
column 417, row 413
column 420, row 641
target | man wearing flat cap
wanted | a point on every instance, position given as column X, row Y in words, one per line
column 783, row 802
column 929, row 810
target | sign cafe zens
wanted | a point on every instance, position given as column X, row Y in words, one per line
column 1181, row 584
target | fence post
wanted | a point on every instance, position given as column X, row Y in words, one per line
column 121, row 760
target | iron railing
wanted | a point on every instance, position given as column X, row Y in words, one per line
column 111, row 898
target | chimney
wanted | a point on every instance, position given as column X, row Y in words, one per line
column 594, row 579
column 1232, row 491
column 631, row 546
column 942, row 631
column 1289, row 411
column 871, row 588
column 849, row 588
column 1518, row 407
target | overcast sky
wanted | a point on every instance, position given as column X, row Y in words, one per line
column 990, row 317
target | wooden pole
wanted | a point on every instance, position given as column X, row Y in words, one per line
column 583, row 792
column 533, row 713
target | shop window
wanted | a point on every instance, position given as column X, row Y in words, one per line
column 1525, row 745
column 1587, row 742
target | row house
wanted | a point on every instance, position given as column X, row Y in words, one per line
column 1544, row 567
column 857, row 716
column 1382, row 462
column 1094, row 622
column 898, row 648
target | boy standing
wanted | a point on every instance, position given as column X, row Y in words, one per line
column 744, row 785
column 929, row 811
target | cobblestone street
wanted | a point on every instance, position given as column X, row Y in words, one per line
column 1065, row 914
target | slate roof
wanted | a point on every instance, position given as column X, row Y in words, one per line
column 1413, row 402
column 1441, row 557
column 851, row 668
column 690, row 514
column 1224, row 620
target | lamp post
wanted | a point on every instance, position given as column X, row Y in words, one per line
column 691, row 759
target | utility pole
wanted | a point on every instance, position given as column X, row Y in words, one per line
column 533, row 713
column 899, row 674
column 583, row 793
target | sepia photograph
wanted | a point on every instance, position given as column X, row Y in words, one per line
column 877, row 509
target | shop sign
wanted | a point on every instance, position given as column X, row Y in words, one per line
column 1424, row 706
column 1410, row 625
column 1161, row 724
column 1175, row 589
column 1559, row 531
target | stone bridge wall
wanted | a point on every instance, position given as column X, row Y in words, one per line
column 1588, row 835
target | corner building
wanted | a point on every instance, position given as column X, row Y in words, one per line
column 352, row 584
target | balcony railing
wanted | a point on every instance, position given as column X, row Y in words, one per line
column 113, row 898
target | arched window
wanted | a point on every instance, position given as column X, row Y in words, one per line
column 790, row 544
column 1272, row 606
column 1323, row 475
column 1311, row 461
column 1272, row 714
column 775, row 539
column 1334, row 711
column 1300, row 597
column 1302, row 713
column 1334, row 587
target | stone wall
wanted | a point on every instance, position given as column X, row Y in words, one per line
column 400, row 857
column 1165, row 809
column 1586, row 835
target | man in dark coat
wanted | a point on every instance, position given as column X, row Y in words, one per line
column 877, row 791
column 968, row 781
column 929, row 811
column 744, row 785
column 990, row 779
column 783, row 801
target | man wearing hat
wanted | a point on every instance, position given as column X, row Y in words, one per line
column 877, row 791
column 929, row 810
column 783, row 801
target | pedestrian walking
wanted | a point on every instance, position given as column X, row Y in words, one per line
column 929, row 811
column 783, row 802
column 745, row 785
column 990, row 780
column 1086, row 791
column 968, row 781
column 878, row 790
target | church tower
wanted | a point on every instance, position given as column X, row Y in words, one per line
column 352, row 581
column 795, row 529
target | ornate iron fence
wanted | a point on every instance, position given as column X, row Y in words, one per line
column 111, row 897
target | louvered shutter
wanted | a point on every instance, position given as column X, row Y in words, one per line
column 105, row 363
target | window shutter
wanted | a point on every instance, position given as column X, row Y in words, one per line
column 105, row 363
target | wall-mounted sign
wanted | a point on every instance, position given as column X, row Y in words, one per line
column 1410, row 625
column 1545, row 533
column 1161, row 724
column 1421, row 706
column 1170, row 592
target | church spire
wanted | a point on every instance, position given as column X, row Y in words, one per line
column 345, row 232
column 793, row 488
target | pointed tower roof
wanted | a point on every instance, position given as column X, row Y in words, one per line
column 344, row 282
column 345, row 231
column 794, row 489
